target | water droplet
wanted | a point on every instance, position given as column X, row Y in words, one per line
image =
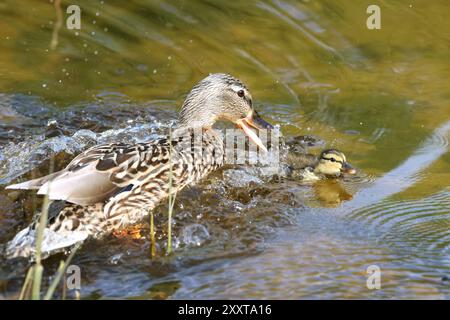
column 44, row 85
column 142, row 67
column 115, row 258
column 194, row 235
column 52, row 122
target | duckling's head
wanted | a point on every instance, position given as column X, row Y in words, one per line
column 332, row 162
column 221, row 97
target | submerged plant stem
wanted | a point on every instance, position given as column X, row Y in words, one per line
column 171, row 197
column 37, row 280
column 26, row 284
column 58, row 24
column 61, row 270
column 152, row 236
column 38, row 269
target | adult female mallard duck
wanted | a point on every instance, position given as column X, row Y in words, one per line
column 111, row 186
column 330, row 163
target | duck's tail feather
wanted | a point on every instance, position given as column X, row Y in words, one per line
column 34, row 184
column 24, row 243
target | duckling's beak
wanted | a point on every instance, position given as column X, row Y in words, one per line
column 254, row 121
column 347, row 168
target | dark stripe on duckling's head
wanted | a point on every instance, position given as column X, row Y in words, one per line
column 333, row 155
column 333, row 162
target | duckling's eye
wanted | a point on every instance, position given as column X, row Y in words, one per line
column 332, row 159
column 241, row 93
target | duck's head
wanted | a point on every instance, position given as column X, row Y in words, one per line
column 221, row 97
column 332, row 162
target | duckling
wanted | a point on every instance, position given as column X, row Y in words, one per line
column 112, row 186
column 330, row 163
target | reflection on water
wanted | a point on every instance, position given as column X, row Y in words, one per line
column 406, row 174
column 313, row 67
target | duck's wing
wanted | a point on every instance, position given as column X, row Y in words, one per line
column 301, row 160
column 100, row 172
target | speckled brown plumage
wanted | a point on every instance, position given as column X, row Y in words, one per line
column 111, row 186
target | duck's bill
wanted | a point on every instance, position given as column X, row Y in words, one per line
column 257, row 122
column 347, row 168
column 254, row 121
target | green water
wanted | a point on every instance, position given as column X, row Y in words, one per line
column 312, row 67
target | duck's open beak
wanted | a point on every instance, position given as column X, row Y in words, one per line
column 254, row 121
column 347, row 168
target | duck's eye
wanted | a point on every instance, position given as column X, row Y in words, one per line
column 241, row 93
column 332, row 159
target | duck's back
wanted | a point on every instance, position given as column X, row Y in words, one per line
column 111, row 186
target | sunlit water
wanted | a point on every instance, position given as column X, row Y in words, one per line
column 380, row 96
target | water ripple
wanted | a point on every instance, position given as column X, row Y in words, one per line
column 422, row 223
